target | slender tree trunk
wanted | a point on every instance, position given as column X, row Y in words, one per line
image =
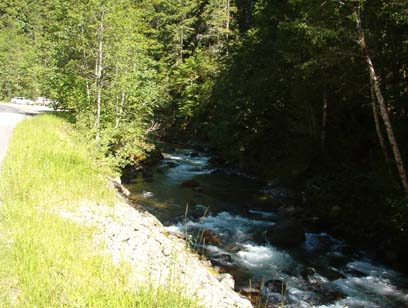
column 119, row 115
column 88, row 91
column 117, row 111
column 249, row 14
column 383, row 108
column 377, row 123
column 312, row 120
column 181, row 42
column 116, row 85
column 228, row 18
column 324, row 122
column 98, row 74
column 227, row 26
column 88, row 88
column 122, row 104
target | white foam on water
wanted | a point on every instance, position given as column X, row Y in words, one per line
column 233, row 228
column 215, row 250
column 147, row 194
column 266, row 261
column 187, row 167
column 370, row 288
column 173, row 229
column 366, row 267
column 350, row 302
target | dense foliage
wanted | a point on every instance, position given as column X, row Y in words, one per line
column 281, row 88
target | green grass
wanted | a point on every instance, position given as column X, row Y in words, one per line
column 45, row 260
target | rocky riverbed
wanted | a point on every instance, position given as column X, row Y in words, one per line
column 256, row 232
column 133, row 235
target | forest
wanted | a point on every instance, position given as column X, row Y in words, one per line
column 313, row 93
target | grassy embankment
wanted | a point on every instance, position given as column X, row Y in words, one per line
column 45, row 260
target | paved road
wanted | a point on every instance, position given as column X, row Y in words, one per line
column 10, row 115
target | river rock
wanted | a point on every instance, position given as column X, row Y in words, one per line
column 223, row 260
column 307, row 271
column 248, row 291
column 132, row 235
column 288, row 233
column 147, row 173
column 171, row 164
column 290, row 210
column 190, row 184
column 117, row 184
column 199, row 148
column 273, row 292
column 275, row 286
column 217, row 160
column 227, row 280
column 199, row 189
column 335, row 211
column 273, row 299
column 198, row 211
column 211, row 238
column 154, row 156
column 297, row 296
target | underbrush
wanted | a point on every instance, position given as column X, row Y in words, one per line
column 45, row 260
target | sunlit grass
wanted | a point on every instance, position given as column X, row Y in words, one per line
column 46, row 260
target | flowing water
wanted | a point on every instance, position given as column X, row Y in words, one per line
column 191, row 196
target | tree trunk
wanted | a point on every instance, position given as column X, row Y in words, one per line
column 228, row 18
column 98, row 74
column 377, row 123
column 324, row 122
column 383, row 108
column 227, row 26
column 119, row 114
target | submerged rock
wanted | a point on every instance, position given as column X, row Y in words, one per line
column 153, row 157
column 275, row 286
column 198, row 211
column 223, row 260
column 248, row 291
column 211, row 238
column 297, row 296
column 288, row 233
column 171, row 164
column 190, row 184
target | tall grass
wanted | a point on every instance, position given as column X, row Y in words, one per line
column 45, row 260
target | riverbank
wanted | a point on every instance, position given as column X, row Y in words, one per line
column 66, row 239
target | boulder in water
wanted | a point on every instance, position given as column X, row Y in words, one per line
column 190, row 184
column 211, row 238
column 171, row 164
column 288, row 233
column 199, row 189
column 223, row 260
column 153, row 157
column 248, row 291
column 198, row 211
column 275, row 286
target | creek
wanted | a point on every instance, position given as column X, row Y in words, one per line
column 190, row 195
